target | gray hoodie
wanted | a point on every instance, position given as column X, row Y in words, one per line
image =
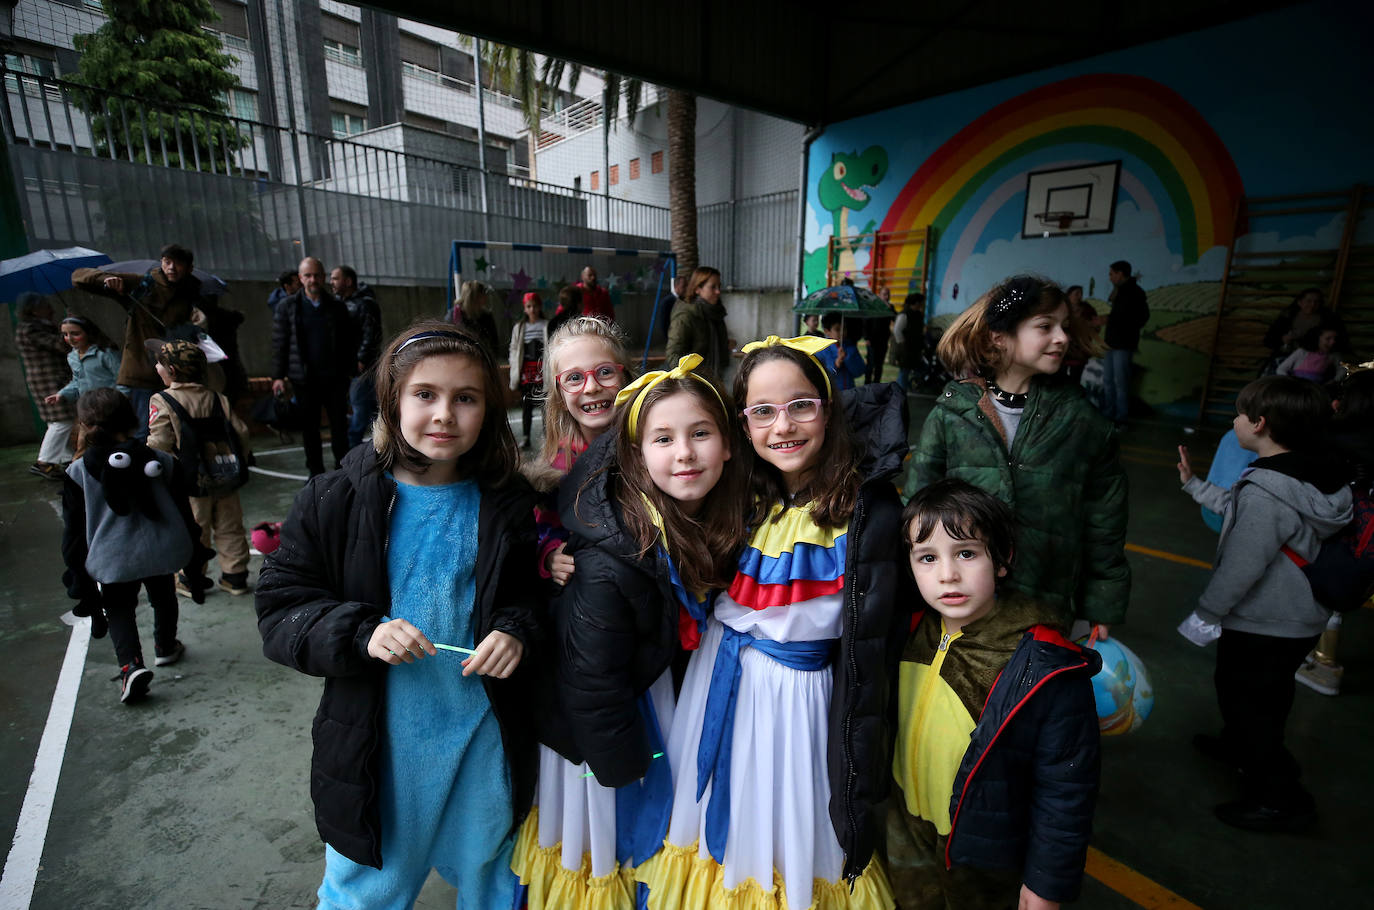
column 1255, row 587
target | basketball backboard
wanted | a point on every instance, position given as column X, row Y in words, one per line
column 1071, row 200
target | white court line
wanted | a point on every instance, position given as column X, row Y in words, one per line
column 282, row 474
column 21, row 866
column 279, row 451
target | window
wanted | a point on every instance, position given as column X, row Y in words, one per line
column 596, row 181
column 634, row 168
column 31, row 66
column 656, row 163
column 230, row 42
column 577, row 184
column 615, row 174
column 232, row 18
column 342, row 53
column 241, row 104
column 345, row 125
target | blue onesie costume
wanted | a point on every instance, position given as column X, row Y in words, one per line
column 445, row 789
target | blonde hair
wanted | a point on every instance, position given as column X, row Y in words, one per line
column 472, row 299
column 559, row 425
column 967, row 348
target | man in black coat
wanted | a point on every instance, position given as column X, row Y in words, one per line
column 1129, row 314
column 315, row 346
column 367, row 324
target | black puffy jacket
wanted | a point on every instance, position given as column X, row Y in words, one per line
column 878, row 595
column 1027, row 786
column 324, row 591
column 367, row 324
column 288, row 361
column 617, row 624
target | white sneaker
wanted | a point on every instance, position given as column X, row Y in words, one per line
column 1320, row 677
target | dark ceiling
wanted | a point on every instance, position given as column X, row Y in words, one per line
column 815, row 62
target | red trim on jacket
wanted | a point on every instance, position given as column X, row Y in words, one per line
column 1039, row 633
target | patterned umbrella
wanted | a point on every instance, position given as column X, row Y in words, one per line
column 845, row 299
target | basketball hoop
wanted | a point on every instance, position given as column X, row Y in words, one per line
column 1061, row 219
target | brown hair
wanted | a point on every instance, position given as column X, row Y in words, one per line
column 559, row 425
column 966, row 513
column 704, row 547
column 99, row 340
column 1296, row 411
column 700, row 275
column 105, row 415
column 834, row 484
column 967, row 348
column 492, row 458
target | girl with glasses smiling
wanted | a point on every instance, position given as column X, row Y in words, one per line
column 778, row 741
column 586, row 363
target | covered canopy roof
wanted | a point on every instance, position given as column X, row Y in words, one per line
column 821, row 62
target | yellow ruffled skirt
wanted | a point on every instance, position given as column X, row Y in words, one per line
column 553, row 886
column 680, row 879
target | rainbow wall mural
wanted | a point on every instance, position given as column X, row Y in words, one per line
column 1175, row 164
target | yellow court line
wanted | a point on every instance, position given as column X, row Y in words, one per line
column 1131, row 884
column 1172, row 557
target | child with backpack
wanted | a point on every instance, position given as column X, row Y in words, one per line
column 126, row 525
column 1275, row 518
column 199, row 427
column 997, row 755
column 1352, row 437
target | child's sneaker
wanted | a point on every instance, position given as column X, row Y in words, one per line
column 170, row 657
column 234, row 582
column 183, row 585
column 1320, row 677
column 134, row 679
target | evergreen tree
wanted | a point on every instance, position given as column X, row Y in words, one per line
column 156, row 83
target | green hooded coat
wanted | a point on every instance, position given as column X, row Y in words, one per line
column 1061, row 478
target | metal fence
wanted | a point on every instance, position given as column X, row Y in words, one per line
column 753, row 241
column 125, row 177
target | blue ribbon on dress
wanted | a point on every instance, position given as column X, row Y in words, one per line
column 697, row 609
column 713, row 753
column 644, row 808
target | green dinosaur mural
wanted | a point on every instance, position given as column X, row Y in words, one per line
column 842, row 188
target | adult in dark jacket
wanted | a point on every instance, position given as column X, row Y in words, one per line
column 367, row 327
column 288, row 283
column 314, row 345
column 698, row 325
column 308, row 623
column 1129, row 314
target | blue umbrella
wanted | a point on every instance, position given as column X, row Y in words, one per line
column 45, row 271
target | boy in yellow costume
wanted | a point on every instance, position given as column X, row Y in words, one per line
column 996, row 759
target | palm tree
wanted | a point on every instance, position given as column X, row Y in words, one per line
column 515, row 67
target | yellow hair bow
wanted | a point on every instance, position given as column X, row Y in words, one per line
column 637, row 389
column 809, row 345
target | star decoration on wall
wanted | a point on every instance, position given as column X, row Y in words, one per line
column 481, row 264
